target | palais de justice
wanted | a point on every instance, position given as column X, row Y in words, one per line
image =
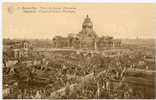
column 86, row 39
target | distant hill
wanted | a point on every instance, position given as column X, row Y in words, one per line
column 37, row 43
column 145, row 42
column 48, row 43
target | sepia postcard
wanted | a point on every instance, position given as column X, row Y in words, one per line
column 79, row 50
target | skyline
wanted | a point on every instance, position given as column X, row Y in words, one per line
column 117, row 20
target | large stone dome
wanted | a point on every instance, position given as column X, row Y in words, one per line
column 87, row 23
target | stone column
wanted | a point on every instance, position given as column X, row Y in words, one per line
column 95, row 45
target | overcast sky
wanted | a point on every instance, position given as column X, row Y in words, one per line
column 118, row 20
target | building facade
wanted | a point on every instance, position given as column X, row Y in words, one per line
column 86, row 39
column 18, row 49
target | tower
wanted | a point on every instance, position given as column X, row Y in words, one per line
column 87, row 26
column 87, row 35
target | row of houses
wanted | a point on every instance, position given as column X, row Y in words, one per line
column 17, row 49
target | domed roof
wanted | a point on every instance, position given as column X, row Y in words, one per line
column 87, row 22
